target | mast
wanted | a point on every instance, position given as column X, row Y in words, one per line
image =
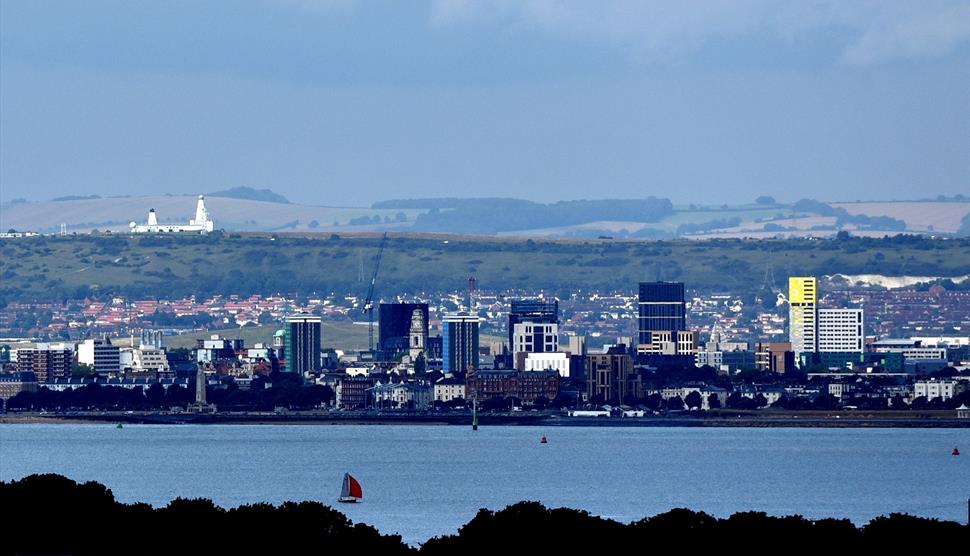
column 475, row 413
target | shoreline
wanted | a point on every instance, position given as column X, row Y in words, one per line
column 725, row 419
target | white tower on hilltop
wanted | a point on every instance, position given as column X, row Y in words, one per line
column 201, row 216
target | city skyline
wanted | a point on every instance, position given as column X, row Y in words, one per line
column 678, row 268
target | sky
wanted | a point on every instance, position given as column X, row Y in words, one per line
column 345, row 102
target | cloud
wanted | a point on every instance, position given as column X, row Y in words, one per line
column 920, row 34
column 871, row 31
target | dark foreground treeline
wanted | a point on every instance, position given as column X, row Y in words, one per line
column 50, row 514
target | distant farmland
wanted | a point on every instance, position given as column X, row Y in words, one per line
column 919, row 216
column 115, row 213
column 242, row 215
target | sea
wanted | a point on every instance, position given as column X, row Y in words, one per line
column 424, row 481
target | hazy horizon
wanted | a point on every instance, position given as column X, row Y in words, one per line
column 344, row 103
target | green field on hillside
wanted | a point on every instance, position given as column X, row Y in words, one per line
column 51, row 268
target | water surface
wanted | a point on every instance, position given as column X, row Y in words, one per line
column 422, row 481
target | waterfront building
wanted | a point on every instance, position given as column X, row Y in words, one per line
column 448, row 389
column 48, row 361
column 524, row 386
column 802, row 316
column 303, row 344
column 403, row 395
column 935, row 388
column 12, row 384
column 351, row 391
column 460, row 343
column 100, row 354
column 612, row 378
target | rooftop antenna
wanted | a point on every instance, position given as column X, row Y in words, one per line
column 472, row 286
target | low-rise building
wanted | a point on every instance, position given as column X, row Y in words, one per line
column 840, row 389
column 526, row 386
column 449, row 389
column 943, row 389
column 12, row 384
column 776, row 357
column 351, row 391
column 405, row 395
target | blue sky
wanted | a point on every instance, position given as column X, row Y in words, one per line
column 340, row 102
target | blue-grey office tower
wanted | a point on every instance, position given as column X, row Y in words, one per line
column 661, row 309
column 459, row 342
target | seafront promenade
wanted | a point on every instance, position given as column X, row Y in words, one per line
column 718, row 418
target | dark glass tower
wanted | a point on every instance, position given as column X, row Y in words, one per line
column 395, row 325
column 303, row 343
column 661, row 308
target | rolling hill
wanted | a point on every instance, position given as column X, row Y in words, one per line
column 264, row 211
column 114, row 213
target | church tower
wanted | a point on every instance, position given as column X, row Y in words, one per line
column 417, row 337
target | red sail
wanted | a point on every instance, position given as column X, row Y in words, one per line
column 355, row 489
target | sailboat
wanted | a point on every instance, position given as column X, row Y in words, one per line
column 351, row 491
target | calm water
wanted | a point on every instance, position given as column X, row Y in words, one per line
column 422, row 481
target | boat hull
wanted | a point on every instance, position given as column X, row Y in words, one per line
column 348, row 499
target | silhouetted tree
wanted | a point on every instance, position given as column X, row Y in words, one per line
column 694, row 400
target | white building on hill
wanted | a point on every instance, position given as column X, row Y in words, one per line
column 201, row 224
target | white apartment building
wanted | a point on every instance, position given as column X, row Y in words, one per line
column 841, row 331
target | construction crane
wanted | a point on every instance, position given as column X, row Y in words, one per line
column 369, row 302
